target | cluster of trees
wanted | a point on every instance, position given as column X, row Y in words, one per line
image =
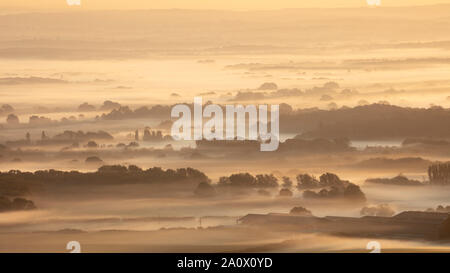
column 113, row 174
column 286, row 193
column 63, row 138
column 205, row 189
column 383, row 210
column 107, row 106
column 369, row 122
column 150, row 135
column 294, row 145
column 306, row 181
column 228, row 145
column 300, row 211
column 316, row 145
column 40, row 120
column 124, row 112
column 6, row 109
column 439, row 174
column 82, row 136
column 365, row 122
column 331, row 187
column 12, row 120
column 394, row 163
column 93, row 160
column 35, row 121
column 249, row 181
column 17, row 183
column 440, row 208
column 399, row 180
column 270, row 90
column 262, row 182
column 350, row 192
column 425, row 141
column 16, row 204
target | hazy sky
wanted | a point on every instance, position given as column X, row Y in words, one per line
column 207, row 4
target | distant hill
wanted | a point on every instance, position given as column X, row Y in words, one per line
column 375, row 121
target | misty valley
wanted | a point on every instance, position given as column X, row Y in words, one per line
column 359, row 117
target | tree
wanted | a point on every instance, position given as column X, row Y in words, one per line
column 12, row 119
column 204, row 189
column 286, row 193
column 22, row 204
column 16, row 204
column 439, row 174
column 92, row 144
column 263, row 192
column 301, row 211
column 86, row 107
column 287, row 182
column 7, row 108
column 330, row 179
column 354, row 192
column 136, row 135
column 305, row 181
column 383, row 210
column 266, row 181
column 242, row 180
column 93, row 160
